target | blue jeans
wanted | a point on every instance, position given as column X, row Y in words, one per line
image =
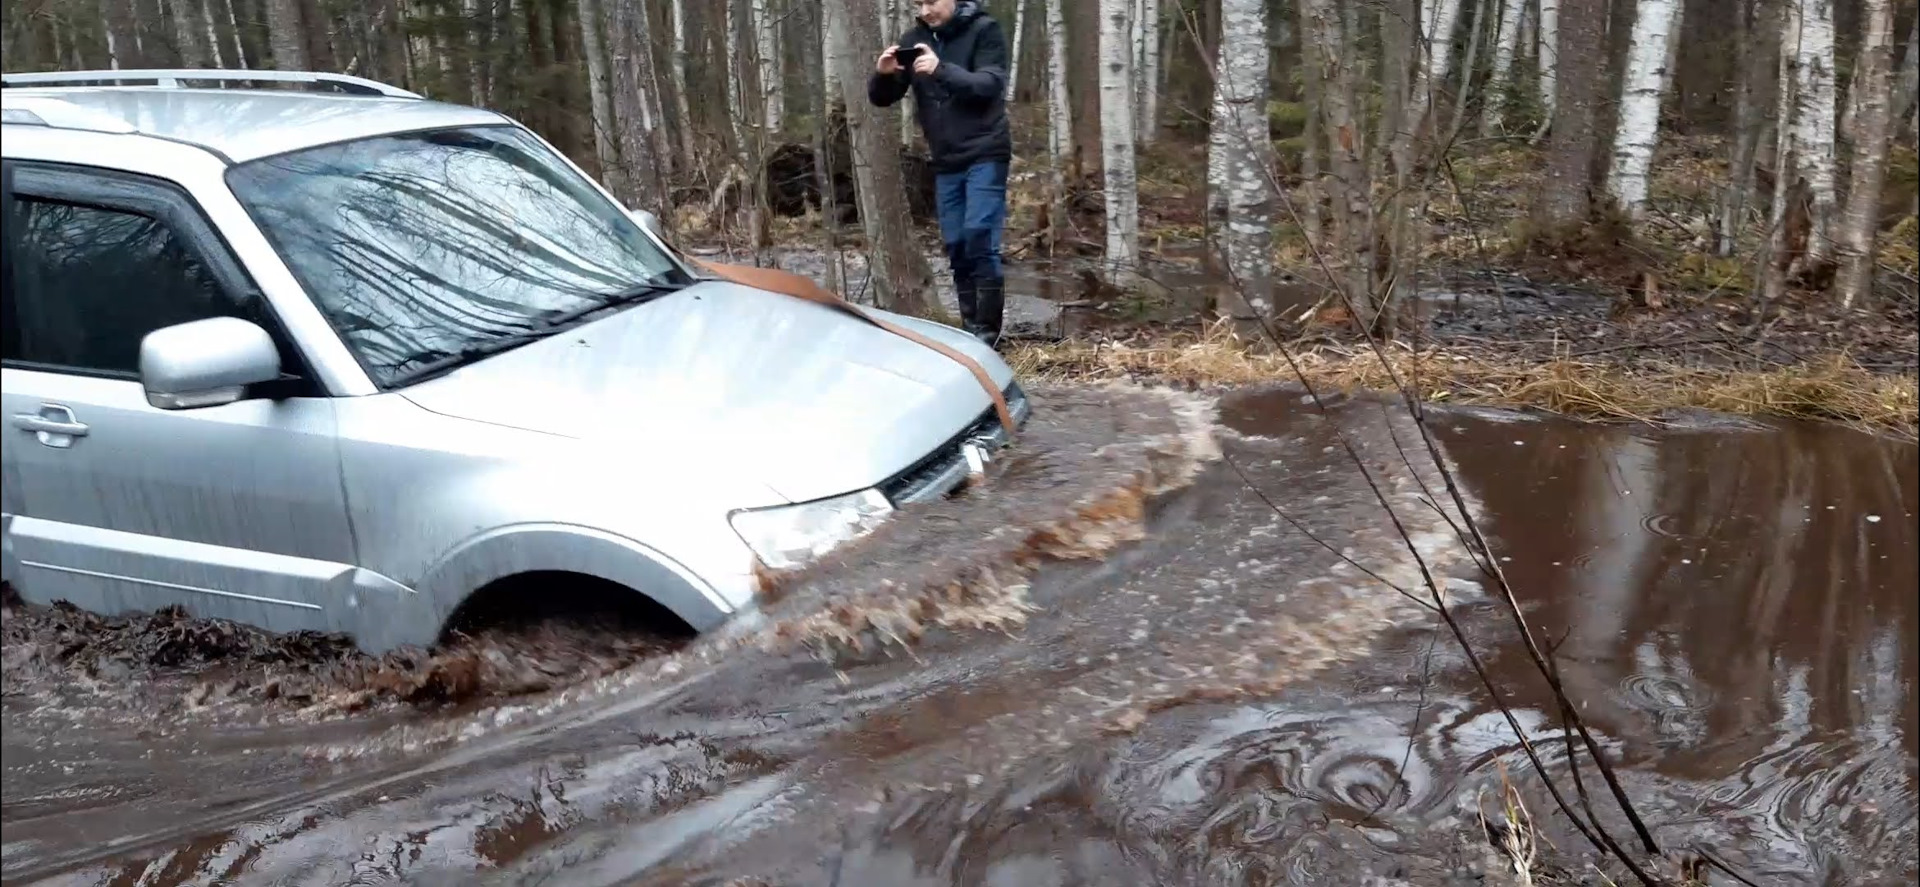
column 973, row 208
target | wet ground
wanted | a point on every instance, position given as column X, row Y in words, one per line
column 1163, row 649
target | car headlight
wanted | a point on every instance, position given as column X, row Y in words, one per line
column 790, row 536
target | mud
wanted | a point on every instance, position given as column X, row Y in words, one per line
column 1164, row 646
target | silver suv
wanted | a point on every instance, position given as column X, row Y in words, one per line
column 311, row 352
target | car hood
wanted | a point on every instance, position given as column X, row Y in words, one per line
column 724, row 377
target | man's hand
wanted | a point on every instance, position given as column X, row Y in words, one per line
column 927, row 62
column 887, row 64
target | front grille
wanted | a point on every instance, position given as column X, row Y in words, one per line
column 944, row 469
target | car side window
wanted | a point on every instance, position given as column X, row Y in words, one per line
column 97, row 261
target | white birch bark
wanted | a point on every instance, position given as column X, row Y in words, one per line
column 1117, row 140
column 1548, row 53
column 214, row 51
column 599, row 87
column 1506, row 44
column 1059, row 117
column 1437, row 19
column 1814, row 124
column 1147, row 73
column 829, row 69
column 628, row 60
column 1013, row 52
column 1638, row 132
column 730, row 25
column 239, row 45
column 1246, row 162
column 767, row 64
column 1872, row 92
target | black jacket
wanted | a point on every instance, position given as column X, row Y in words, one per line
column 962, row 107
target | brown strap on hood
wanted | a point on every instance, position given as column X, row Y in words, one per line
column 788, row 283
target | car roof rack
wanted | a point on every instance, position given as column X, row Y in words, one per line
column 53, row 113
column 170, row 78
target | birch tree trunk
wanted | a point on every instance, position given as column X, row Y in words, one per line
column 599, row 88
column 1640, row 92
column 1117, row 140
column 1548, row 52
column 214, row 53
column 1437, row 20
column 1328, row 43
column 683, row 110
column 1013, row 52
column 1505, row 46
column 895, row 266
column 1240, row 102
column 1147, row 73
column 1814, row 110
column 1872, row 119
column 239, row 42
column 736, row 80
column 1060, row 148
column 767, row 63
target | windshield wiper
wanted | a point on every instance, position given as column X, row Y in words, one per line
column 434, row 363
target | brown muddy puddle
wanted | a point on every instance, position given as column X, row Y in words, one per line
column 1121, row 666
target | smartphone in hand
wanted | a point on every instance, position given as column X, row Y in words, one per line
column 906, row 55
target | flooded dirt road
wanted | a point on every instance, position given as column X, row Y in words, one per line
column 1130, row 664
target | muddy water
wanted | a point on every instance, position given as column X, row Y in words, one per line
column 1125, row 666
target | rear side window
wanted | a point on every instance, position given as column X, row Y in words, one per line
column 91, row 282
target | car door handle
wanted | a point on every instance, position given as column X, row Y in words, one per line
column 53, row 425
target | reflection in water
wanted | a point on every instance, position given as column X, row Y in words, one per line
column 1220, row 702
column 425, row 243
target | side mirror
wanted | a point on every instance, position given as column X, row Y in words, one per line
column 650, row 222
column 206, row 363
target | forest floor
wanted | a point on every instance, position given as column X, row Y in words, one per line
column 1634, row 322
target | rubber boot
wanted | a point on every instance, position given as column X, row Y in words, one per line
column 992, row 307
column 966, row 293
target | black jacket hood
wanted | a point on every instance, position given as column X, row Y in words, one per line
column 964, row 13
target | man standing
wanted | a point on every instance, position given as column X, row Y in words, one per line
column 955, row 61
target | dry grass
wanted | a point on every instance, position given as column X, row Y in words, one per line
column 1834, row 389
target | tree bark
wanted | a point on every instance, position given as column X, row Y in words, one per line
column 1907, row 90
column 1240, row 90
column 1117, row 140
column 766, row 56
column 1060, row 148
column 1437, row 20
column 629, row 43
column 895, row 265
column 1872, row 120
column 1147, row 72
column 1547, row 51
column 284, row 36
column 600, row 91
column 1644, row 83
column 1013, row 51
column 1329, row 46
column 1753, row 47
column 1505, row 47
column 189, row 34
column 1814, row 111
column 1580, row 56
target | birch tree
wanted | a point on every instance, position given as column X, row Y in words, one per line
column 1117, row 140
column 1437, row 20
column 629, row 52
column 1638, row 133
column 1013, row 51
column 1805, row 155
column 767, row 64
column 1146, row 79
column 599, row 85
column 1059, row 119
column 1246, row 155
column 1907, row 88
column 1872, row 119
column 1547, row 52
column 895, row 266
column 1506, row 44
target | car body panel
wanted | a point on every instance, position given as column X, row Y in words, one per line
column 724, row 375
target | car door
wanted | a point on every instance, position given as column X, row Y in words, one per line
column 233, row 510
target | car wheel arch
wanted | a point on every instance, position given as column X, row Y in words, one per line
column 512, row 553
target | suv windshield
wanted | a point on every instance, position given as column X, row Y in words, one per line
column 429, row 249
